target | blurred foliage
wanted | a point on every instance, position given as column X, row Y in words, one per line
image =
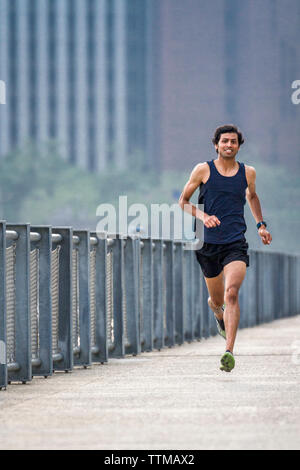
column 38, row 186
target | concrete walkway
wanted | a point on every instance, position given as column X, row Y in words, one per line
column 173, row 399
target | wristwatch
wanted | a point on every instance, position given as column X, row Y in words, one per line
column 260, row 224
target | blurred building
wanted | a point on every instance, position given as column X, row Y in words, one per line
column 229, row 61
column 112, row 80
column 77, row 71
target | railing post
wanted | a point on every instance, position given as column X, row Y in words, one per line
column 116, row 328
column 276, row 286
column 260, row 289
column 158, row 294
column 270, row 284
column 286, row 283
column 169, row 282
column 243, row 303
column 196, row 301
column 43, row 364
column 297, row 261
column 98, row 301
column 260, row 298
column 131, row 273
column 84, row 355
column 146, row 296
column 188, row 293
column 266, row 291
column 273, row 294
column 178, row 268
column 251, row 291
column 3, row 359
column 205, row 311
column 21, row 370
column 266, row 274
column 281, row 285
column 293, row 286
column 298, row 284
column 63, row 357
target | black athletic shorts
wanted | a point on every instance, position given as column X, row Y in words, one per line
column 212, row 257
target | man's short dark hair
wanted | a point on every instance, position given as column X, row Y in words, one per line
column 224, row 130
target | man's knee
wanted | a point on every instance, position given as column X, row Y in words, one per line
column 218, row 301
column 231, row 294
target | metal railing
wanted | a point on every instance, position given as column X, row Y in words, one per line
column 70, row 298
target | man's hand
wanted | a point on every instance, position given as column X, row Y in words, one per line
column 210, row 221
column 264, row 235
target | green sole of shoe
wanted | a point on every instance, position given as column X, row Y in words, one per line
column 227, row 362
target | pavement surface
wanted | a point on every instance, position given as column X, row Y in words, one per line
column 173, row 399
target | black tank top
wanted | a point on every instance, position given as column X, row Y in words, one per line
column 224, row 197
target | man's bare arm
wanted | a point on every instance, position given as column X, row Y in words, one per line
column 193, row 183
column 254, row 204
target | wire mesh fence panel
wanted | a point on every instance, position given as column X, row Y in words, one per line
column 11, row 303
column 34, row 302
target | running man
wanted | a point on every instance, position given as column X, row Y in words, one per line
column 224, row 184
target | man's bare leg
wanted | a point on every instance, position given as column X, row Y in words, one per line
column 216, row 300
column 234, row 273
column 215, row 286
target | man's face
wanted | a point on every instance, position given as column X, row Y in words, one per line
column 228, row 145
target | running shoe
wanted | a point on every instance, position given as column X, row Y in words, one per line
column 220, row 323
column 227, row 362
